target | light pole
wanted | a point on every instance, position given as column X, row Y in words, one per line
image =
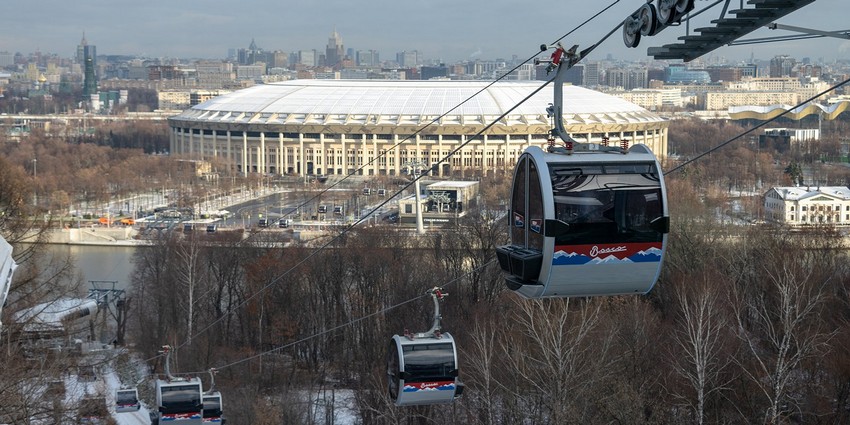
column 35, row 182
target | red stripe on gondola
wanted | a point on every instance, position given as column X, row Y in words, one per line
column 618, row 250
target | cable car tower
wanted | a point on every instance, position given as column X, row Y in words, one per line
column 422, row 367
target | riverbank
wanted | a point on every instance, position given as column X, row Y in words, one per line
column 104, row 236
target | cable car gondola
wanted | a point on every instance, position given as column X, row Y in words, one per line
column 586, row 219
column 92, row 410
column 213, row 408
column 585, row 224
column 213, row 411
column 178, row 400
column 127, row 400
column 422, row 368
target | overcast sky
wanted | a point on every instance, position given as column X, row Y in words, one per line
column 450, row 30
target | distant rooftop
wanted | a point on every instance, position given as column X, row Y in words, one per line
column 794, row 193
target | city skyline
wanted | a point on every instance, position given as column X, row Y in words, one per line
column 473, row 30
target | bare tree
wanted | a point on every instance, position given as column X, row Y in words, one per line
column 481, row 372
column 782, row 326
column 562, row 357
column 700, row 338
column 188, row 272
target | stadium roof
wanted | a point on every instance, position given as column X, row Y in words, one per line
column 377, row 102
column 768, row 112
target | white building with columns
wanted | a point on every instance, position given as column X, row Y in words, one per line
column 797, row 206
column 375, row 127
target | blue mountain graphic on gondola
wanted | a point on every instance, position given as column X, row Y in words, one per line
column 650, row 255
column 561, row 258
column 609, row 260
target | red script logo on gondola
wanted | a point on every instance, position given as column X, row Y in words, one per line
column 596, row 251
column 428, row 386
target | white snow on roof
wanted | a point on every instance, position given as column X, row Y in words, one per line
column 410, row 102
column 453, row 184
column 794, row 193
column 49, row 315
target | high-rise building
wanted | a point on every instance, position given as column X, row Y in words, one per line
column 89, row 79
column 782, row 66
column 80, row 57
column 85, row 51
column 637, row 79
column 628, row 79
column 279, row 59
column 6, row 59
column 250, row 55
column 591, row 74
column 679, row 74
column 724, row 73
column 407, row 58
column 749, row 70
column 367, row 58
column 214, row 74
column 335, row 53
column 87, row 56
column 616, row 77
column 656, row 74
column 307, row 57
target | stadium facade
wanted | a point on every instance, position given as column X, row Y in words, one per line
column 376, row 127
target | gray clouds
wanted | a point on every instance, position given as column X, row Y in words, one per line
column 449, row 30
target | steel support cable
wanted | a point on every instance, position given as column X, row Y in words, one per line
column 442, row 160
column 783, row 113
column 384, row 310
column 343, row 325
column 437, row 119
column 361, row 219
column 491, row 261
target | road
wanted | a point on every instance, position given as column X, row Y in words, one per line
column 296, row 206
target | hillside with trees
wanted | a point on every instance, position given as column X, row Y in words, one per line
column 747, row 323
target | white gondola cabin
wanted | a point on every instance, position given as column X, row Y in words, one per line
column 127, row 400
column 422, row 368
column 178, row 400
column 213, row 410
column 585, row 224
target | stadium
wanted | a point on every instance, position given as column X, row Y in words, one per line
column 376, row 127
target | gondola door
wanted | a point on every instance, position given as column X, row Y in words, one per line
column 522, row 260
